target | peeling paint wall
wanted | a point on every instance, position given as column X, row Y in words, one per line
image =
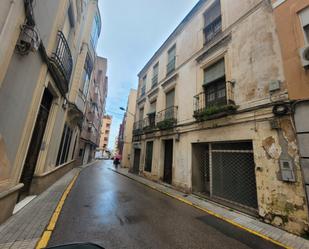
column 253, row 59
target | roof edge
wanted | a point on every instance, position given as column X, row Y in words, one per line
column 176, row 31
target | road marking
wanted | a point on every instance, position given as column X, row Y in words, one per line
column 208, row 211
column 52, row 222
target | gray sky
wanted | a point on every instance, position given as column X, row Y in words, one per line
column 132, row 31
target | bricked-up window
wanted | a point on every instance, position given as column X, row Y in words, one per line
column 148, row 159
column 213, row 21
column 304, row 18
column 215, row 85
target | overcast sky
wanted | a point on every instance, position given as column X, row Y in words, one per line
column 132, row 31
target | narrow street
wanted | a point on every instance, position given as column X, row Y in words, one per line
column 116, row 212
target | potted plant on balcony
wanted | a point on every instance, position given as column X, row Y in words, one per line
column 215, row 111
column 166, row 124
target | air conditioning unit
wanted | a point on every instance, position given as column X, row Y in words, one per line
column 304, row 56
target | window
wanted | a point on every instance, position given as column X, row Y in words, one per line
column 304, row 18
column 148, row 159
column 152, row 114
column 143, row 86
column 214, row 84
column 169, row 101
column 141, row 113
column 213, row 21
column 64, row 147
column 95, row 31
column 88, row 66
column 155, row 74
column 171, row 62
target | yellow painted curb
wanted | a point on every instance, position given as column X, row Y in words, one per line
column 53, row 220
column 211, row 213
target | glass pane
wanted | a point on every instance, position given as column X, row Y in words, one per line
column 212, row 13
column 170, row 96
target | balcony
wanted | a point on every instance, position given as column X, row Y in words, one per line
column 61, row 64
column 138, row 127
column 167, row 118
column 150, row 122
column 217, row 108
column 171, row 66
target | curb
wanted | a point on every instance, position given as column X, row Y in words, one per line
column 46, row 235
column 206, row 210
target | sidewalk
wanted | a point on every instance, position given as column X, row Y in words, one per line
column 24, row 229
column 236, row 218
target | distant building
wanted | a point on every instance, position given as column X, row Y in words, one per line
column 95, row 107
column 105, row 132
column 125, row 136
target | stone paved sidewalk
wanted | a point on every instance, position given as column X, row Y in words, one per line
column 24, row 229
column 248, row 222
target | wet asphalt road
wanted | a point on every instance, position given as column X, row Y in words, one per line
column 115, row 212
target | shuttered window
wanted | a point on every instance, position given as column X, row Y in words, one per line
column 170, row 98
column 213, row 21
column 214, row 84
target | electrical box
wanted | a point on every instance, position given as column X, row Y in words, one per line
column 274, row 85
column 287, row 171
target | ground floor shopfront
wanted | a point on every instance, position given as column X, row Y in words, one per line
column 251, row 166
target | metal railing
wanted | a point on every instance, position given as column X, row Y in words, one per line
column 171, row 66
column 150, row 121
column 138, row 127
column 169, row 114
column 62, row 63
column 200, row 102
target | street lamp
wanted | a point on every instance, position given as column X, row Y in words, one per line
column 123, row 109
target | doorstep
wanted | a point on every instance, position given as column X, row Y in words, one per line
column 241, row 220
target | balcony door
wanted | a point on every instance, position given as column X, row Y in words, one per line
column 35, row 144
column 170, row 102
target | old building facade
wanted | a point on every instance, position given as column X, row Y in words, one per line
column 128, row 123
column 95, row 107
column 213, row 114
column 40, row 118
column 105, row 132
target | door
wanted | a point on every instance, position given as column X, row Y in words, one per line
column 35, row 144
column 137, row 157
column 168, row 161
column 86, row 154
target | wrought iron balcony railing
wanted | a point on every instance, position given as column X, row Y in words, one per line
column 167, row 118
column 138, row 127
column 61, row 63
column 150, row 122
column 216, row 108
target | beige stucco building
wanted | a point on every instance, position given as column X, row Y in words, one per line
column 42, row 60
column 95, row 107
column 213, row 114
column 128, row 121
column 105, row 132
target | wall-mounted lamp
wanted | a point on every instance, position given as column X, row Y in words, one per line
column 232, row 82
